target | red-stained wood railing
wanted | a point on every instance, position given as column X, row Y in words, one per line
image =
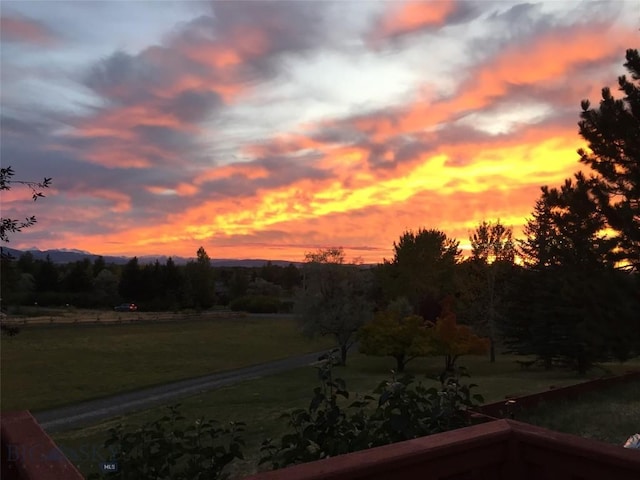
column 501, row 410
column 498, row 450
column 28, row 453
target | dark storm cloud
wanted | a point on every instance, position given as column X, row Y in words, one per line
column 342, row 134
column 193, row 106
column 165, row 138
column 281, row 170
column 15, row 126
column 287, row 167
column 259, row 33
column 287, row 26
column 411, row 150
column 124, row 77
column 194, row 75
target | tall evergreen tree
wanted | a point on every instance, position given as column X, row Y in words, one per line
column 171, row 284
column 47, row 276
column 98, row 265
column 612, row 132
column 201, row 279
column 567, row 306
column 79, row 277
column 536, row 249
column 566, row 229
column 130, row 280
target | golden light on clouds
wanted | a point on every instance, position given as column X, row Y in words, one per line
column 235, row 127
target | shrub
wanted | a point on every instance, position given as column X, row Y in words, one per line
column 255, row 304
column 403, row 410
column 169, row 449
column 9, row 330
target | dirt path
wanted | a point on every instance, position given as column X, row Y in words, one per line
column 93, row 411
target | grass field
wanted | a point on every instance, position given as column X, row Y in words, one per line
column 259, row 403
column 610, row 416
column 45, row 367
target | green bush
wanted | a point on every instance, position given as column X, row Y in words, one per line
column 400, row 409
column 403, row 410
column 255, row 304
column 169, row 449
column 286, row 306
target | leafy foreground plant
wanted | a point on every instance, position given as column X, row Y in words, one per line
column 169, row 449
column 400, row 409
column 403, row 410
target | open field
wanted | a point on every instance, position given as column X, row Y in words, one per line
column 45, row 367
column 610, row 416
column 259, row 403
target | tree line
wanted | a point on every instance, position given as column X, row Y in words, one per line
column 568, row 292
column 153, row 287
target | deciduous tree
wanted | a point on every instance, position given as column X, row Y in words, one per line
column 453, row 340
column 11, row 225
column 396, row 332
column 492, row 259
column 492, row 242
column 333, row 300
column 422, row 269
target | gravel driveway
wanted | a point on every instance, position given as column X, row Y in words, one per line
column 93, row 411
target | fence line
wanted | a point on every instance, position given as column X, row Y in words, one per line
column 115, row 318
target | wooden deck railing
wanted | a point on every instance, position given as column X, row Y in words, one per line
column 28, row 453
column 498, row 450
column 501, row 410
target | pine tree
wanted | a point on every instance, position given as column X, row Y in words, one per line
column 612, row 132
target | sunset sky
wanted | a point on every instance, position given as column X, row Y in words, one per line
column 268, row 129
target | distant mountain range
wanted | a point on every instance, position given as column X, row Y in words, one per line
column 66, row 255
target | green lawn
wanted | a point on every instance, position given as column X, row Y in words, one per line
column 45, row 367
column 259, row 403
column 610, row 416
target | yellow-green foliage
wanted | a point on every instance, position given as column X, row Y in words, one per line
column 403, row 337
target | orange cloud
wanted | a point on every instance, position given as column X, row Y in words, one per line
column 548, row 60
column 14, row 29
column 247, row 170
column 502, row 182
column 283, row 144
column 217, row 56
column 410, row 16
column 120, row 201
column 118, row 121
column 119, row 144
